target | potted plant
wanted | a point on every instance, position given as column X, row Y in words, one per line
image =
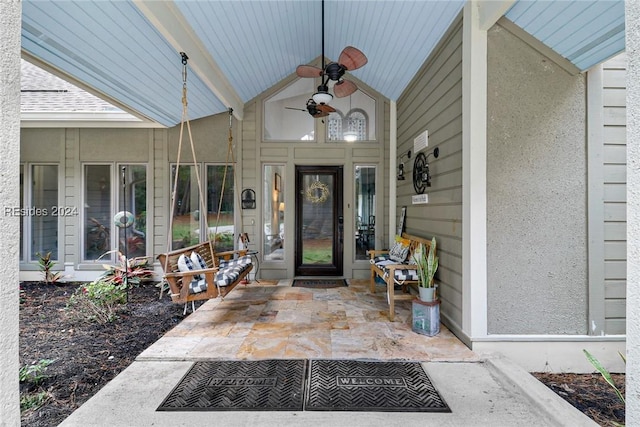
column 427, row 263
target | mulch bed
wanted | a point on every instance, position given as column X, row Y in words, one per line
column 88, row 355
column 589, row 393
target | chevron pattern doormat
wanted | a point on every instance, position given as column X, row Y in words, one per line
column 247, row 385
column 287, row 385
column 319, row 283
column 351, row 385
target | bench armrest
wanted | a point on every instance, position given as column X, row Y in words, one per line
column 226, row 255
column 373, row 253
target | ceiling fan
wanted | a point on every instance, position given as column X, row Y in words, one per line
column 316, row 110
column 350, row 59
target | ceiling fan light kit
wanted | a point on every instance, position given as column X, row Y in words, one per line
column 322, row 96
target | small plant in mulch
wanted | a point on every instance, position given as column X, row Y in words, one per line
column 97, row 301
column 134, row 270
column 46, row 264
column 607, row 377
column 35, row 373
column 31, row 376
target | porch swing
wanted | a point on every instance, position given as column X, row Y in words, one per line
column 198, row 272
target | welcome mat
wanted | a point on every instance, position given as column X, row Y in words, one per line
column 247, row 385
column 296, row 385
column 351, row 385
column 319, row 283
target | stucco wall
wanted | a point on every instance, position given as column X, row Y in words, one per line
column 632, row 20
column 10, row 13
column 536, row 192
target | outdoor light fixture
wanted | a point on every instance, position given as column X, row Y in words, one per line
column 400, row 176
column 350, row 136
column 322, row 96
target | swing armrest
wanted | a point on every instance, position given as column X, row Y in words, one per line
column 187, row 277
column 227, row 255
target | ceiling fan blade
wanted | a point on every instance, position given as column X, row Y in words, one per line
column 296, row 109
column 326, row 108
column 344, row 88
column 320, row 114
column 352, row 58
column 308, row 71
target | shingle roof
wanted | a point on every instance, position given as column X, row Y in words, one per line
column 41, row 91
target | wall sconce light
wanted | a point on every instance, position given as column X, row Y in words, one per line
column 421, row 176
column 401, row 165
column 248, row 199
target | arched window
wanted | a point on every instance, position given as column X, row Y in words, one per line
column 353, row 120
column 356, row 124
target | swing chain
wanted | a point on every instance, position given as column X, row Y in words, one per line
column 185, row 58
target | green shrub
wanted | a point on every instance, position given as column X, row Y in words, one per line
column 98, row 301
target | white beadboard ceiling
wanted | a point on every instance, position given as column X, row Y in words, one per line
column 584, row 32
column 128, row 51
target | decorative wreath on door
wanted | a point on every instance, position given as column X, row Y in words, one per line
column 317, row 192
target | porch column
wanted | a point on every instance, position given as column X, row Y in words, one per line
column 632, row 33
column 474, row 173
column 393, row 165
column 10, row 21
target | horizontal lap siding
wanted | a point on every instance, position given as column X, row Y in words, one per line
column 615, row 197
column 161, row 188
column 433, row 102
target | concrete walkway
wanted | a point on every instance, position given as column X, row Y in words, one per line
column 263, row 321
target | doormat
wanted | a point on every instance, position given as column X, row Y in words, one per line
column 351, row 385
column 319, row 283
column 240, row 385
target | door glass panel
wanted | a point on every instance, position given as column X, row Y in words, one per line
column 219, row 201
column 44, row 198
column 135, row 192
column 97, row 205
column 365, row 203
column 186, row 213
column 273, row 212
column 317, row 219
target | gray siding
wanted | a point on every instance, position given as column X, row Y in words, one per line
column 161, row 191
column 607, row 197
column 433, row 102
column 536, row 192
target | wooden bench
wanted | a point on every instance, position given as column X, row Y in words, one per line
column 224, row 271
column 395, row 273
